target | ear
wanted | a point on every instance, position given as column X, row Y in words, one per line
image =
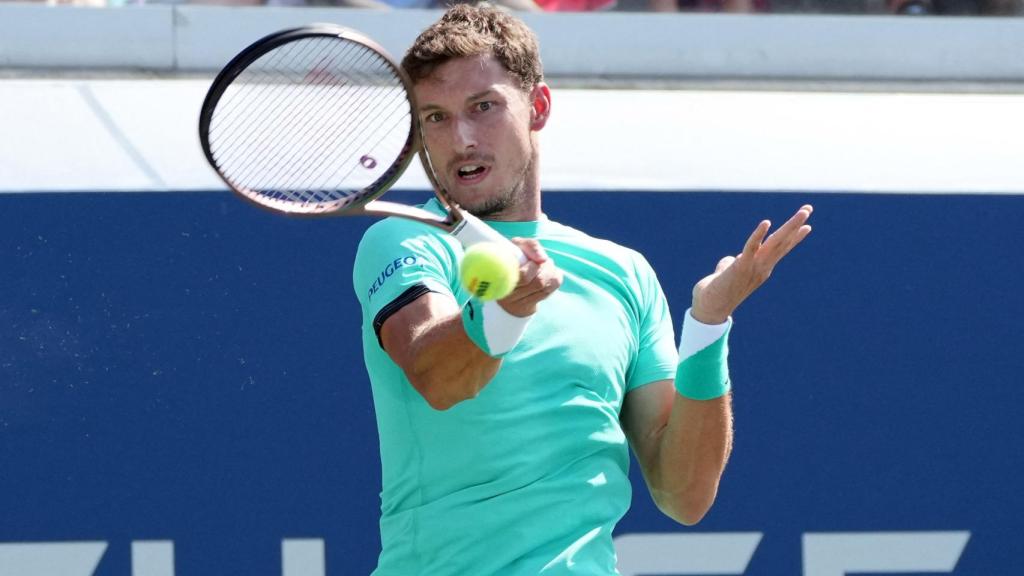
column 540, row 106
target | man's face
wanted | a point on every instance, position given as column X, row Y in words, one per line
column 477, row 128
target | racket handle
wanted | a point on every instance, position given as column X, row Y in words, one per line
column 473, row 230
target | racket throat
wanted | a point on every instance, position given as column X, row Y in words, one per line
column 470, row 230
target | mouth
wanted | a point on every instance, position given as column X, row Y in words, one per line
column 469, row 174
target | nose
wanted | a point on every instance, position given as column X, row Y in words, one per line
column 464, row 134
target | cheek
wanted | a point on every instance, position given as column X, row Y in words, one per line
column 524, row 144
column 516, row 135
column 435, row 145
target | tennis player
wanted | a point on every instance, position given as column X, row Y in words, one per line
column 505, row 426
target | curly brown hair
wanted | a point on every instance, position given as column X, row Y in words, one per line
column 465, row 30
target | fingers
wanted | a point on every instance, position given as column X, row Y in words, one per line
column 530, row 271
column 780, row 242
column 539, row 274
column 532, row 249
column 538, row 279
column 792, row 232
column 760, row 253
column 755, row 239
column 792, row 225
column 717, row 295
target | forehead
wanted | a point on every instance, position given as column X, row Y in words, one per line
column 460, row 77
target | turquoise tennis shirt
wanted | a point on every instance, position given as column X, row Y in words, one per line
column 530, row 476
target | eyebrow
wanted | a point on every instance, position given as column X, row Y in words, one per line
column 470, row 98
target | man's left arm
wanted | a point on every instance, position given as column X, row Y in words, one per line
column 681, row 431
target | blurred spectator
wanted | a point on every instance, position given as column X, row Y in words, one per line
column 1005, row 7
column 371, row 4
column 226, row 2
column 575, row 5
column 337, row 3
column 957, row 7
column 708, row 5
column 76, row 2
column 520, row 5
column 911, row 7
column 526, row 5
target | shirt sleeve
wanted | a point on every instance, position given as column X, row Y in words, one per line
column 657, row 355
column 398, row 261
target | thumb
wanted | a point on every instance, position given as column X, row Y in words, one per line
column 532, row 249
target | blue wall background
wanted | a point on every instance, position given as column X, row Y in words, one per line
column 184, row 366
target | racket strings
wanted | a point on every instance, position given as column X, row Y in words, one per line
column 311, row 124
column 253, row 89
column 349, row 147
column 304, row 128
column 230, row 109
column 240, row 98
column 391, row 117
column 396, row 118
column 363, row 101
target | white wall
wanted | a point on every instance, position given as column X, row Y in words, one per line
column 142, row 135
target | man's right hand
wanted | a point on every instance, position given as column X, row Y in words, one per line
column 538, row 279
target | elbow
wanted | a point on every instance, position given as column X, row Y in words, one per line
column 436, row 394
column 685, row 515
column 447, row 385
column 436, row 401
column 440, row 403
column 687, row 507
column 690, row 517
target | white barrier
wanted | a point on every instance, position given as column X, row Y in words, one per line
column 188, row 39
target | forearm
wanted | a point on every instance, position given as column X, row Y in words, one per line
column 697, row 437
column 446, row 366
column 683, row 437
column 449, row 353
column 692, row 452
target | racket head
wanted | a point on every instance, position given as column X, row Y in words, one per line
column 316, row 120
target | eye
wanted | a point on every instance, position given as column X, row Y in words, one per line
column 433, row 117
column 484, row 106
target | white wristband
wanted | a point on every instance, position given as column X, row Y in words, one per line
column 491, row 328
column 703, row 371
column 697, row 335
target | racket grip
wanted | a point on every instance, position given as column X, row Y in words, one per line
column 473, row 230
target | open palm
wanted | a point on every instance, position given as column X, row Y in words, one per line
column 717, row 295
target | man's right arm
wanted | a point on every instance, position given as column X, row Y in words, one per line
column 427, row 339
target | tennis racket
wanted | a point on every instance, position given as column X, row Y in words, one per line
column 318, row 121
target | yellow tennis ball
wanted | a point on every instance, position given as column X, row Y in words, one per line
column 489, row 271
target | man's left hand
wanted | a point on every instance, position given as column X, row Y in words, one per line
column 717, row 295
